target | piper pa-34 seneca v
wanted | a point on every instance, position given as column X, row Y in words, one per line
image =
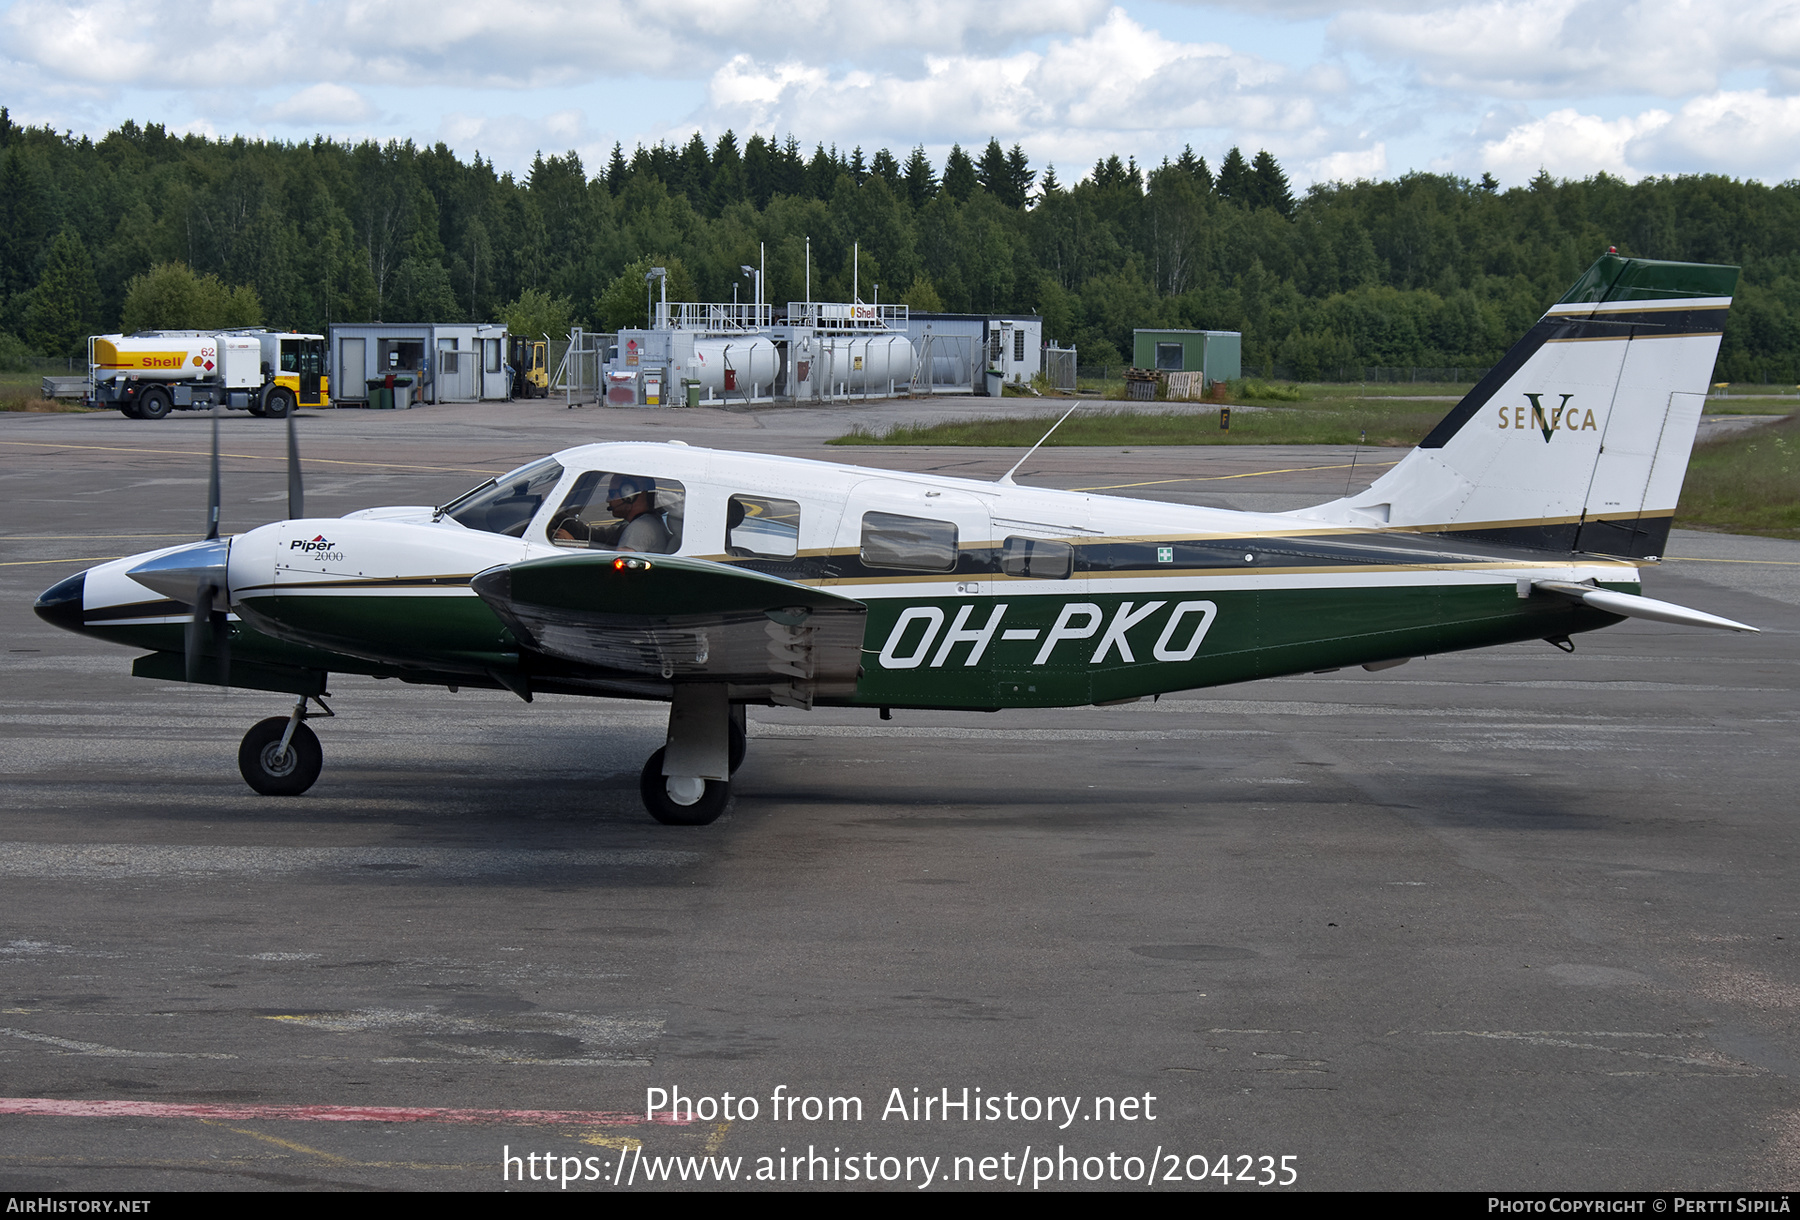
column 714, row 580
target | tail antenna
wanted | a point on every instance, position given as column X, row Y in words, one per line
column 1006, row 480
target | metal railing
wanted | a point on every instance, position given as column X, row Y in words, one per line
column 841, row 315
column 713, row 317
column 945, row 364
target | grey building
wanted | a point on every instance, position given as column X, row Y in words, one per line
column 448, row 361
column 957, row 351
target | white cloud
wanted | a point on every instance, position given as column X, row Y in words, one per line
column 1576, row 48
column 463, row 42
column 1350, row 165
column 1745, row 134
column 323, row 103
column 1399, row 84
column 1567, row 144
column 1119, row 88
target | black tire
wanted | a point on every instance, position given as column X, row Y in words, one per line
column 655, row 791
column 740, row 745
column 280, row 776
column 128, row 410
column 154, row 404
column 277, row 404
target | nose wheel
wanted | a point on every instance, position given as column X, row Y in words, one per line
column 281, row 756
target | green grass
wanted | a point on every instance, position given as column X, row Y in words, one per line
column 1751, row 406
column 24, row 392
column 1340, row 422
column 1252, row 389
column 1746, row 484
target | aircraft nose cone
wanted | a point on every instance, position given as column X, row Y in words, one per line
column 60, row 604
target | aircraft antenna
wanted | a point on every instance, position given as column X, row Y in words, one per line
column 1006, row 480
column 1362, row 437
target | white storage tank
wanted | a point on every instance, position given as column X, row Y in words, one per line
column 726, row 367
column 855, row 364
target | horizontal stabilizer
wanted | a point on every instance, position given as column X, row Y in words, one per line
column 1632, row 606
column 674, row 618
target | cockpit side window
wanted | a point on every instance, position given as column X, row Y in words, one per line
column 507, row 504
column 608, row 511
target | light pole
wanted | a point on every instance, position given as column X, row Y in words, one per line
column 655, row 273
column 748, row 270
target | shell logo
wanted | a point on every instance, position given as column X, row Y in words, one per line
column 197, row 360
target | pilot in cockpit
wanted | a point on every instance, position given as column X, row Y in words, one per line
column 631, row 498
column 620, row 512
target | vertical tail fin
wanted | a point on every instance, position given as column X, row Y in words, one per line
column 1578, row 440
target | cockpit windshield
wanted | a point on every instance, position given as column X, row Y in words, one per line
column 507, row 504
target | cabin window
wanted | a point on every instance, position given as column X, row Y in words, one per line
column 1018, row 345
column 507, row 504
column 610, row 511
column 1169, row 357
column 1037, row 557
column 911, row 543
column 757, row 525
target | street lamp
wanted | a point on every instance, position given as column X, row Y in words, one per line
column 655, row 273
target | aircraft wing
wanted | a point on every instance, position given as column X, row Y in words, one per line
column 669, row 617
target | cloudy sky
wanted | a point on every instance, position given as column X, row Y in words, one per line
column 1370, row 89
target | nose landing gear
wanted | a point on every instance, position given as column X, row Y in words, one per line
column 280, row 756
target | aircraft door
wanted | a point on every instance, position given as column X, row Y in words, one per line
column 924, row 561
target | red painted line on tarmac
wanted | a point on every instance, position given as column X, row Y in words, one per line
column 328, row 1114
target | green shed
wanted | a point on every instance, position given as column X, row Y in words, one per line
column 1219, row 354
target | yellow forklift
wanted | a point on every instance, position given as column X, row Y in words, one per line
column 529, row 360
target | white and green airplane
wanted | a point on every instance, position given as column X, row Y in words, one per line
column 713, row 580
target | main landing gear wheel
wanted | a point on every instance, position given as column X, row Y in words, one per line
column 274, row 772
column 678, row 802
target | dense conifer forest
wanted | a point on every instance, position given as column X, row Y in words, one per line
column 148, row 228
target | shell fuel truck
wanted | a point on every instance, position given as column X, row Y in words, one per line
column 151, row 373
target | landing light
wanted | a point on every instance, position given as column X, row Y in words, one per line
column 631, row 565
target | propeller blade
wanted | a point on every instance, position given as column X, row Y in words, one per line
column 208, row 633
column 221, row 643
column 212, row 491
column 194, row 640
column 296, row 489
